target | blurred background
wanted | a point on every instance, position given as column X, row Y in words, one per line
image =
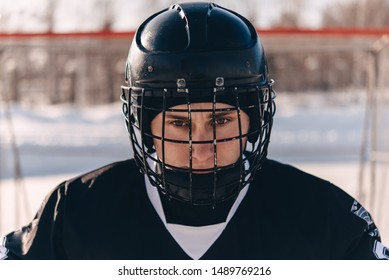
column 62, row 64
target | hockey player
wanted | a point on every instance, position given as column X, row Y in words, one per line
column 198, row 106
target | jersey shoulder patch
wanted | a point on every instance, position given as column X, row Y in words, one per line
column 380, row 251
column 3, row 250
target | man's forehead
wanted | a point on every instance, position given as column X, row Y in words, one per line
column 202, row 105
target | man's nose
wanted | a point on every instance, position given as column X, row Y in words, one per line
column 203, row 151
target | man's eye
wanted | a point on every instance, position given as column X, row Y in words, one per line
column 221, row 121
column 179, row 123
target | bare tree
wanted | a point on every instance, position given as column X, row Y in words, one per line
column 290, row 16
column 50, row 12
column 108, row 17
column 360, row 13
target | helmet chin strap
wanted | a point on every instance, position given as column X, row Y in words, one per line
column 202, row 188
column 178, row 212
column 205, row 206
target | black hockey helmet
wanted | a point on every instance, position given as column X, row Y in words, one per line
column 189, row 53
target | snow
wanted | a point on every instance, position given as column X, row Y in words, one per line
column 319, row 133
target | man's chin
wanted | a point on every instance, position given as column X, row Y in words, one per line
column 197, row 169
column 202, row 172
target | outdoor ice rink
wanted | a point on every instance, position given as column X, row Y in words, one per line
column 319, row 133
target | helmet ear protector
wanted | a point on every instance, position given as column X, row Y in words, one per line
column 191, row 53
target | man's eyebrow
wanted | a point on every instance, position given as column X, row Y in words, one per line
column 176, row 117
column 223, row 113
column 185, row 116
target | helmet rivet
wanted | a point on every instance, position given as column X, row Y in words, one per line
column 219, row 82
column 150, row 68
column 181, row 86
column 181, row 83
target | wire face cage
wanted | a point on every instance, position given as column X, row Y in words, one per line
column 246, row 111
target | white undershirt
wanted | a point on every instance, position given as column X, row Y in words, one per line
column 195, row 241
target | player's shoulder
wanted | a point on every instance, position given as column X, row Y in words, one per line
column 112, row 177
column 120, row 169
column 279, row 171
column 290, row 178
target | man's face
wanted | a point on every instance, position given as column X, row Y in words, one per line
column 177, row 128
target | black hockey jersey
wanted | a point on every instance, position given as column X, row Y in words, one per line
column 286, row 214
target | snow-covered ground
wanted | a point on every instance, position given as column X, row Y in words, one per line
column 320, row 134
